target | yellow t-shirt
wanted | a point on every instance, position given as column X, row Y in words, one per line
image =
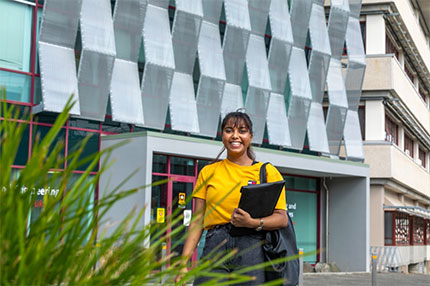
column 216, row 185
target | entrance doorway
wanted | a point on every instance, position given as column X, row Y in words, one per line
column 171, row 203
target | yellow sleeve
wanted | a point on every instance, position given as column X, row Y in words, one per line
column 200, row 187
column 273, row 175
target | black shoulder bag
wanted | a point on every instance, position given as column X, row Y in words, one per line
column 279, row 244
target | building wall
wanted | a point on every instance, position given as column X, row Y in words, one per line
column 377, row 193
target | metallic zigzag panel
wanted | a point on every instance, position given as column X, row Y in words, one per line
column 159, row 66
column 185, row 36
column 318, row 68
column 214, row 58
column 58, row 32
column 128, row 20
column 97, row 58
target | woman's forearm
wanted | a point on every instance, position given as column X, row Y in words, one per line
column 277, row 220
column 195, row 231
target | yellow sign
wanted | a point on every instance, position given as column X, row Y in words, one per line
column 182, row 198
column 160, row 215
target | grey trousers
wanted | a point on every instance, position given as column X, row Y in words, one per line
column 249, row 253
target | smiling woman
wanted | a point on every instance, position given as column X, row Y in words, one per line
column 217, row 195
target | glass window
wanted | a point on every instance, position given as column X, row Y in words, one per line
column 42, row 131
column 17, row 85
column 390, row 48
column 402, row 230
column 422, row 157
column 388, row 228
column 92, row 146
column 182, row 166
column 45, row 117
column 115, row 127
column 15, row 26
column 409, row 73
column 80, row 202
column 300, row 183
column 391, row 130
column 37, row 98
column 159, row 164
column 201, row 164
column 159, row 213
column 39, row 20
column 50, row 190
column 362, row 120
column 22, row 154
column 419, row 230
column 428, row 232
column 409, row 146
column 302, row 208
column 422, row 91
column 83, row 123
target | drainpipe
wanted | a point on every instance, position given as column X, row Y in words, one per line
column 326, row 218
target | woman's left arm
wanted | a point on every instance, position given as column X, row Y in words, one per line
column 278, row 219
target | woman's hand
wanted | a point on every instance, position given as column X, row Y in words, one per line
column 241, row 218
column 183, row 271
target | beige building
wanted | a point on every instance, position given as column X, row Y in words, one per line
column 396, row 128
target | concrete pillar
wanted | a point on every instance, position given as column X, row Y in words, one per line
column 377, row 193
column 416, row 150
column 375, row 120
column 428, row 161
column 416, row 82
column 402, row 59
column 375, row 34
column 348, row 223
column 401, row 137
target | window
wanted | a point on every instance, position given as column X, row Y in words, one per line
column 391, row 131
column 402, row 230
column 418, row 232
column 409, row 146
column 390, row 48
column 362, row 120
column 422, row 157
column 409, row 73
column 17, row 84
column 422, row 91
column 388, row 228
column 15, row 26
column 302, row 203
column 428, row 232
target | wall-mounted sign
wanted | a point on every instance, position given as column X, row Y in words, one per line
column 187, row 217
column 181, row 200
column 161, row 215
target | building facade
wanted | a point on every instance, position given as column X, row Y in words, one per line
column 318, row 78
column 396, row 102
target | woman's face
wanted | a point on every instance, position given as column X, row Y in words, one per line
column 236, row 139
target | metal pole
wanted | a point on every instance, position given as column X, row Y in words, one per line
column 163, row 257
column 374, row 257
column 301, row 266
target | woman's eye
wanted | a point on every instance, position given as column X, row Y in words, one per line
column 243, row 131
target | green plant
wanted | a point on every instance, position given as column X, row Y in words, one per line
column 63, row 244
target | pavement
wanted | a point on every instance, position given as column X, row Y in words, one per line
column 364, row 279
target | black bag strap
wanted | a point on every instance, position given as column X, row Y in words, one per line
column 263, row 173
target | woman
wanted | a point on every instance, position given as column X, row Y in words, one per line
column 217, row 194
